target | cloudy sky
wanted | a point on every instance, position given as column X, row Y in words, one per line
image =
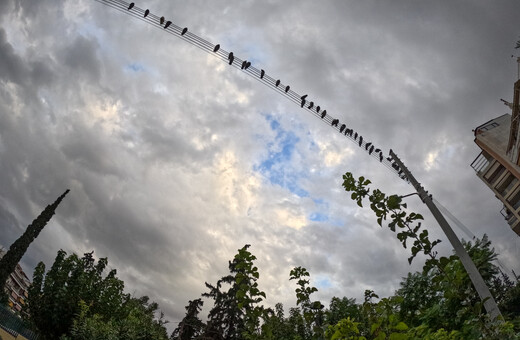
column 175, row 159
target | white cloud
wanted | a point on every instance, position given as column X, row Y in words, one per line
column 175, row 163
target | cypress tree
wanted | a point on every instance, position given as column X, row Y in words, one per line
column 19, row 247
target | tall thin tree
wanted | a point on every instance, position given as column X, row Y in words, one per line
column 19, row 247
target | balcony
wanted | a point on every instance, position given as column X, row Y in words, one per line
column 480, row 164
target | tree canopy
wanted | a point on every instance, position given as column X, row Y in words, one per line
column 74, row 300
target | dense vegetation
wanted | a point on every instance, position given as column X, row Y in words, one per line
column 437, row 303
column 74, row 300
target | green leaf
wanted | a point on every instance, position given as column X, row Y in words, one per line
column 401, row 326
column 398, row 336
column 393, row 202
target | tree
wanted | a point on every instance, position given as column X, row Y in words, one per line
column 312, row 311
column 73, row 300
column 236, row 313
column 459, row 307
column 191, row 326
column 341, row 309
column 19, row 247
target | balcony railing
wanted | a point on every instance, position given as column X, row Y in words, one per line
column 480, row 163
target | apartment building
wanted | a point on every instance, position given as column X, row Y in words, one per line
column 498, row 164
column 16, row 287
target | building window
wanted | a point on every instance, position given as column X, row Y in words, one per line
column 515, row 201
column 488, row 127
column 503, row 183
column 496, row 174
column 510, row 185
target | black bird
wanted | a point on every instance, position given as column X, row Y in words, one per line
column 231, row 57
column 371, row 150
column 343, row 126
column 146, row 13
column 131, row 6
column 323, row 114
column 303, row 103
column 162, row 20
column 360, row 140
column 304, row 96
column 318, row 108
column 348, row 132
column 287, row 88
column 334, row 122
column 262, row 74
column 243, row 64
column 380, row 157
column 311, row 105
column 367, row 145
column 247, row 65
column 355, row 136
column 389, row 159
column 168, row 23
column 184, row 30
column 378, row 150
column 217, row 47
column 277, row 82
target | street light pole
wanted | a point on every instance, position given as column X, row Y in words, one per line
column 477, row 280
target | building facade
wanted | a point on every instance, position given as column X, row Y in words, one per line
column 16, row 287
column 498, row 164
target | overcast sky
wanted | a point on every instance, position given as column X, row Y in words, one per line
column 175, row 160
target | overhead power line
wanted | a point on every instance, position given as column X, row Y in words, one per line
column 260, row 75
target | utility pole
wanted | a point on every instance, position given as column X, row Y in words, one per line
column 477, row 280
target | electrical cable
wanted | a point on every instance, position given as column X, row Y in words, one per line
column 259, row 75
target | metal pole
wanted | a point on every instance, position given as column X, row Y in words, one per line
column 471, row 269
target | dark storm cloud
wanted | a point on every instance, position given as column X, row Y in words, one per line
column 158, row 141
column 80, row 56
column 12, row 68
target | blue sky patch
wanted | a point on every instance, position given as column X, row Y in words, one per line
column 318, row 217
column 135, row 67
column 323, row 282
column 279, row 155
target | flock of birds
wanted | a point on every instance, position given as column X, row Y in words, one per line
column 260, row 75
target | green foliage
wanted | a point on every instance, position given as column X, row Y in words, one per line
column 236, row 313
column 381, row 320
column 191, row 326
column 340, row 309
column 312, row 311
column 345, row 329
column 438, row 303
column 74, row 301
column 391, row 207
